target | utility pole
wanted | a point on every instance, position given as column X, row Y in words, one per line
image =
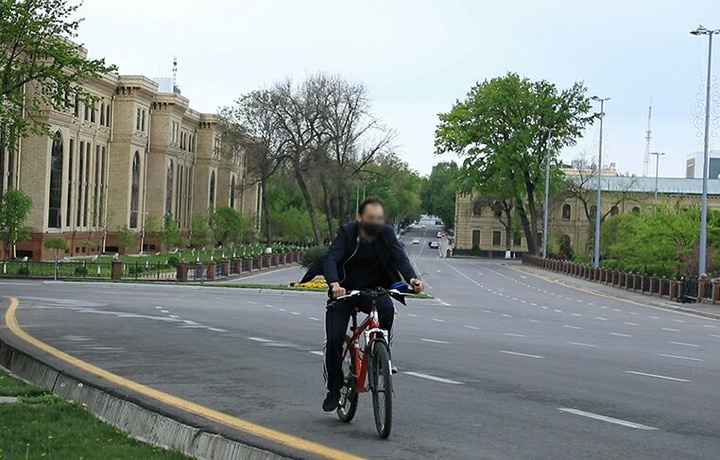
column 598, row 205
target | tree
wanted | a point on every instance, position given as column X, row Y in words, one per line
column 14, row 209
column 505, row 129
column 170, row 232
column 58, row 244
column 439, row 191
column 126, row 238
column 228, row 225
column 200, row 232
column 37, row 56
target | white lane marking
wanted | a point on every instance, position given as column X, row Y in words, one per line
column 710, row 326
column 714, row 335
column 251, row 302
column 580, row 344
column 544, row 307
column 664, row 377
column 442, row 342
column 617, row 310
column 576, row 314
column 510, row 334
column 215, row 329
column 618, row 334
column 579, row 301
column 631, row 324
column 654, row 317
column 319, row 353
column 558, row 311
column 523, row 301
column 634, row 313
column 313, row 318
column 174, row 316
column 259, row 339
column 685, row 344
column 486, row 311
column 438, row 320
column 433, row 378
column 605, row 418
column 570, row 327
column 192, row 326
column 506, row 315
column 294, row 313
column 269, row 306
column 282, row 309
column 535, row 321
column 600, row 318
column 604, row 307
column 158, row 308
column 670, row 329
column 533, row 304
column 473, row 328
column 515, row 353
column 686, row 358
column 679, row 320
column 164, row 311
column 412, row 315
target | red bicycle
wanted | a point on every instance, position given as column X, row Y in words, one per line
column 366, row 364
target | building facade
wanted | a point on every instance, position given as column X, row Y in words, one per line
column 128, row 159
column 571, row 217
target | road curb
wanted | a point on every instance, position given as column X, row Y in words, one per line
column 661, row 305
column 143, row 423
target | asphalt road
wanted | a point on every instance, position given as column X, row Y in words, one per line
column 501, row 365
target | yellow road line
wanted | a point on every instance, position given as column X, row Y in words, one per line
column 171, row 400
column 607, row 296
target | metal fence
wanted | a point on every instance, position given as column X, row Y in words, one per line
column 86, row 270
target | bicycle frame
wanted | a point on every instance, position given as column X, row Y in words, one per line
column 369, row 328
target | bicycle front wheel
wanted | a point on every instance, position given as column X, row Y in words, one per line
column 382, row 389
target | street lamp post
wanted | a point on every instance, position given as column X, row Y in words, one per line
column 657, row 170
column 598, row 204
column 702, row 263
column 547, row 193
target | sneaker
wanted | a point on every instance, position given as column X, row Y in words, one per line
column 332, row 400
column 393, row 369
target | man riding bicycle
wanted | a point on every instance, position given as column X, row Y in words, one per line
column 365, row 254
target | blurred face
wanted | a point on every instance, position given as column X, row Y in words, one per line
column 372, row 220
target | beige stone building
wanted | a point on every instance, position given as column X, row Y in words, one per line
column 477, row 225
column 132, row 157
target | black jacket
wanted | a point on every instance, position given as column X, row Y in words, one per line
column 395, row 262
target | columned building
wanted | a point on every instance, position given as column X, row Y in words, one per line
column 129, row 158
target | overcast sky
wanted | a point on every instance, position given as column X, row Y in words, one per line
column 418, row 56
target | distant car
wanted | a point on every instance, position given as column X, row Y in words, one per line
column 416, row 241
column 434, row 244
column 440, row 234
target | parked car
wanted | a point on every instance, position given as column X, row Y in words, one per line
column 416, row 241
column 434, row 244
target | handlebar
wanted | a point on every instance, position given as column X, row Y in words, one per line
column 399, row 288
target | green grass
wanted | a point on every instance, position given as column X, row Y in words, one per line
column 43, row 426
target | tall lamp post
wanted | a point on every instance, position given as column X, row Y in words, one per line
column 657, row 170
column 702, row 263
column 598, row 204
column 547, row 192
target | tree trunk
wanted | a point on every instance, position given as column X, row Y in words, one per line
column 309, row 203
column 508, row 230
column 327, row 201
column 527, row 228
column 265, row 203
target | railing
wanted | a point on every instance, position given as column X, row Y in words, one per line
column 199, row 272
column 685, row 289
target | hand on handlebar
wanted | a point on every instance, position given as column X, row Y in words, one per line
column 417, row 285
column 337, row 290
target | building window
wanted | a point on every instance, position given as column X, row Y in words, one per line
column 497, row 238
column 232, row 192
column 138, row 115
column 135, row 191
column 102, row 114
column 169, row 188
column 636, row 210
column 476, row 238
column 68, row 211
column 81, row 166
column 87, row 112
column 566, row 212
column 477, row 209
column 211, row 201
column 76, row 106
column 614, row 211
column 142, row 122
column 86, row 183
column 92, row 114
column 56, row 170
column 107, row 115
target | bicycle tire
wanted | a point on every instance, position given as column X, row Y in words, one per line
column 382, row 389
column 348, row 394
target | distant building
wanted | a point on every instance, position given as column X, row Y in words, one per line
column 694, row 163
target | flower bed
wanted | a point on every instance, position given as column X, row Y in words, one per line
column 318, row 284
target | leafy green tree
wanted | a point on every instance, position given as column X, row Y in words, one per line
column 439, row 191
column 14, row 210
column 200, row 231
column 170, row 232
column 228, row 225
column 36, row 50
column 504, row 130
column 126, row 239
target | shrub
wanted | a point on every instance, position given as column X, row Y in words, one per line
column 313, row 254
column 173, row 261
column 23, row 271
column 81, row 270
column 136, row 269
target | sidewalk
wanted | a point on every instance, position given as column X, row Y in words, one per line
column 706, row 310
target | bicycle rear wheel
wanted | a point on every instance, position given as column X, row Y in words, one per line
column 382, row 389
column 348, row 394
